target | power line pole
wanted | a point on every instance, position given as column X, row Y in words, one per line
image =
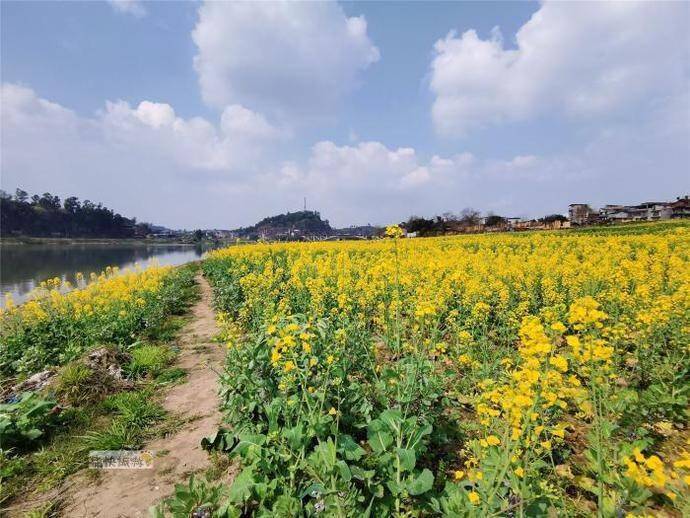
column 305, row 204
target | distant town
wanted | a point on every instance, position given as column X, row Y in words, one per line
column 308, row 225
column 45, row 216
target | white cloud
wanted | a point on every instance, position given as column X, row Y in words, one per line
column 581, row 59
column 241, row 122
column 279, row 57
column 134, row 7
column 369, row 182
column 20, row 107
column 147, row 161
column 124, row 154
column 195, row 142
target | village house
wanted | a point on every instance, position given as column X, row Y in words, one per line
column 581, row 214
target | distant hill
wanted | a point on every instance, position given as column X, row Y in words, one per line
column 46, row 216
column 293, row 225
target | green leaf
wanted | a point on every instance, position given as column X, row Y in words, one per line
column 407, row 458
column 32, row 434
column 392, row 419
column 422, row 484
column 324, row 456
column 416, row 437
column 286, row 506
column 344, row 470
column 294, row 437
column 349, row 448
column 222, row 440
column 361, row 474
column 379, row 441
column 313, row 491
column 393, row 487
column 247, row 440
column 241, row 488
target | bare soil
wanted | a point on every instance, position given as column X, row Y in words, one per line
column 130, row 493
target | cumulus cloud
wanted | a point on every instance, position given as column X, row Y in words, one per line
column 370, row 182
column 279, row 57
column 147, row 161
column 194, row 142
column 580, row 59
column 125, row 154
column 134, row 7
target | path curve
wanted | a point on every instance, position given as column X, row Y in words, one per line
column 130, row 493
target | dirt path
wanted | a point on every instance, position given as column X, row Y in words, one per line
column 129, row 493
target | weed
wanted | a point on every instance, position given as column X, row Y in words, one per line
column 24, row 421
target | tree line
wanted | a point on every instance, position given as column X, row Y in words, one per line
column 467, row 219
column 47, row 216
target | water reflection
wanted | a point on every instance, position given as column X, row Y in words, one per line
column 23, row 267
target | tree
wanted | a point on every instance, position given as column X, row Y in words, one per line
column 44, row 216
column 492, row 220
column 417, row 224
column 470, row 217
column 21, row 196
column 72, row 204
column 554, row 217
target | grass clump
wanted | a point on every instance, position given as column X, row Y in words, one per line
column 171, row 375
column 149, row 360
column 135, row 412
column 73, row 384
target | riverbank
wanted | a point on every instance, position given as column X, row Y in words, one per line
column 109, row 392
column 25, row 267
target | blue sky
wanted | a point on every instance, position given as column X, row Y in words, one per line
column 214, row 115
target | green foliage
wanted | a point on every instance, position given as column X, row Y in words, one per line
column 73, row 384
column 306, row 222
column 53, row 331
column 44, row 216
column 122, row 420
column 25, row 421
column 171, row 375
column 135, row 412
column 149, row 360
column 197, row 499
column 351, row 444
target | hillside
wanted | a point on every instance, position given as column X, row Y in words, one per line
column 305, row 223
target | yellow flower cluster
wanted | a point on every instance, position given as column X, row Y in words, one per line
column 535, row 393
column 531, row 326
column 646, row 471
column 58, row 320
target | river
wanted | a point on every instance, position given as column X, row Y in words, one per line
column 23, row 267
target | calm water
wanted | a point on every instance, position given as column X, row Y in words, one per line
column 23, row 267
